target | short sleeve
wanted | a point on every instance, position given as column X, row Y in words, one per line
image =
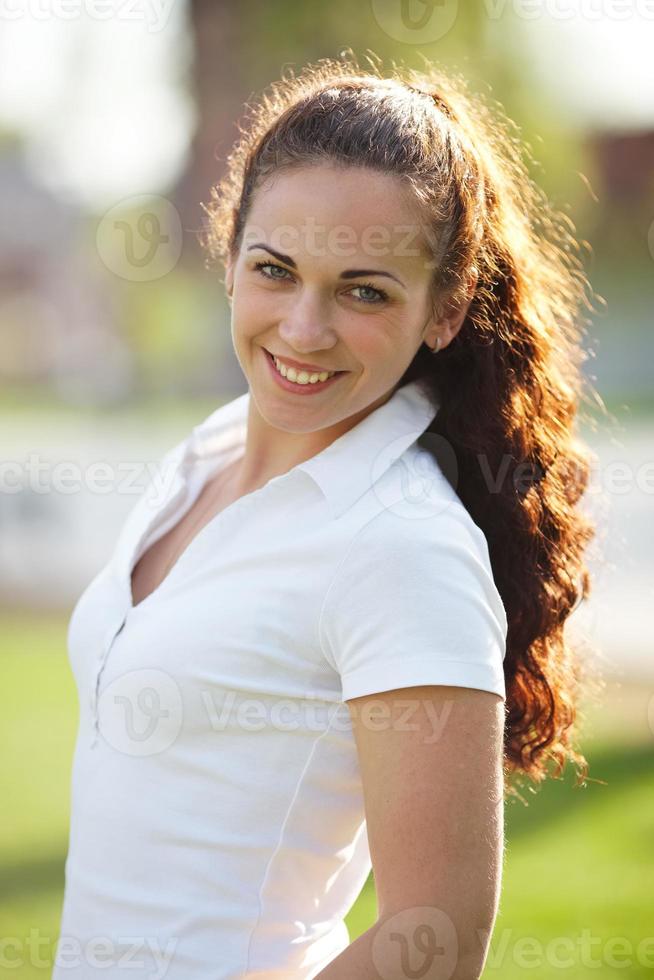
column 414, row 602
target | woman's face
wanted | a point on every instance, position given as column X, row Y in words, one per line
column 330, row 274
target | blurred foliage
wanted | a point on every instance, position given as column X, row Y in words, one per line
column 176, row 328
column 168, row 322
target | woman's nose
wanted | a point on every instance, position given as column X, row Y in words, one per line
column 308, row 324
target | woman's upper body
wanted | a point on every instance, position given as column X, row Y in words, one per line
column 218, row 818
column 234, row 782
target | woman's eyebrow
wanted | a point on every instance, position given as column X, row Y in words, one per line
column 348, row 274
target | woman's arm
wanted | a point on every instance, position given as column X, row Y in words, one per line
column 431, row 768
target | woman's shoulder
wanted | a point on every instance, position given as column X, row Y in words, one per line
column 418, row 507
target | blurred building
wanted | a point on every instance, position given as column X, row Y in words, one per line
column 57, row 321
column 625, row 163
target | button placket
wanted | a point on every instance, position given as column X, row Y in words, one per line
column 178, row 488
column 103, row 653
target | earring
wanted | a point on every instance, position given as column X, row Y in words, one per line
column 434, row 350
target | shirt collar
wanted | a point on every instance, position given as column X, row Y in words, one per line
column 350, row 465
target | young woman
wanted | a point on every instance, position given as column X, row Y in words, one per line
column 334, row 639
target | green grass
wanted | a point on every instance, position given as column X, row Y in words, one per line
column 37, row 732
column 579, row 862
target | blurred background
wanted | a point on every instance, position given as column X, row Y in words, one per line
column 115, row 119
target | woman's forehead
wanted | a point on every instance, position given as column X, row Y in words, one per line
column 342, row 216
column 336, row 192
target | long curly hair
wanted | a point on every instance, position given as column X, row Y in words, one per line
column 509, row 383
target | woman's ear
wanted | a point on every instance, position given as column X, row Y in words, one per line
column 451, row 320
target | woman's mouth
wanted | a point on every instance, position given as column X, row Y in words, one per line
column 300, row 382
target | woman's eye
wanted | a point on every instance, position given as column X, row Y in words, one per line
column 379, row 296
column 260, row 266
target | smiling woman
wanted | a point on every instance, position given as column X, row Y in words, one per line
column 351, row 316
column 371, row 582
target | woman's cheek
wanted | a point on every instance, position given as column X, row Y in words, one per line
column 371, row 341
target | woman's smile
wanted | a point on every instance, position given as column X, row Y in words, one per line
column 303, row 385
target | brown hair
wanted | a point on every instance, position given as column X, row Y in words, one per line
column 509, row 383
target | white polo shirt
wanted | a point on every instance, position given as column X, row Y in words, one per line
column 217, row 817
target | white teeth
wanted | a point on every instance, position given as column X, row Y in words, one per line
column 301, row 377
